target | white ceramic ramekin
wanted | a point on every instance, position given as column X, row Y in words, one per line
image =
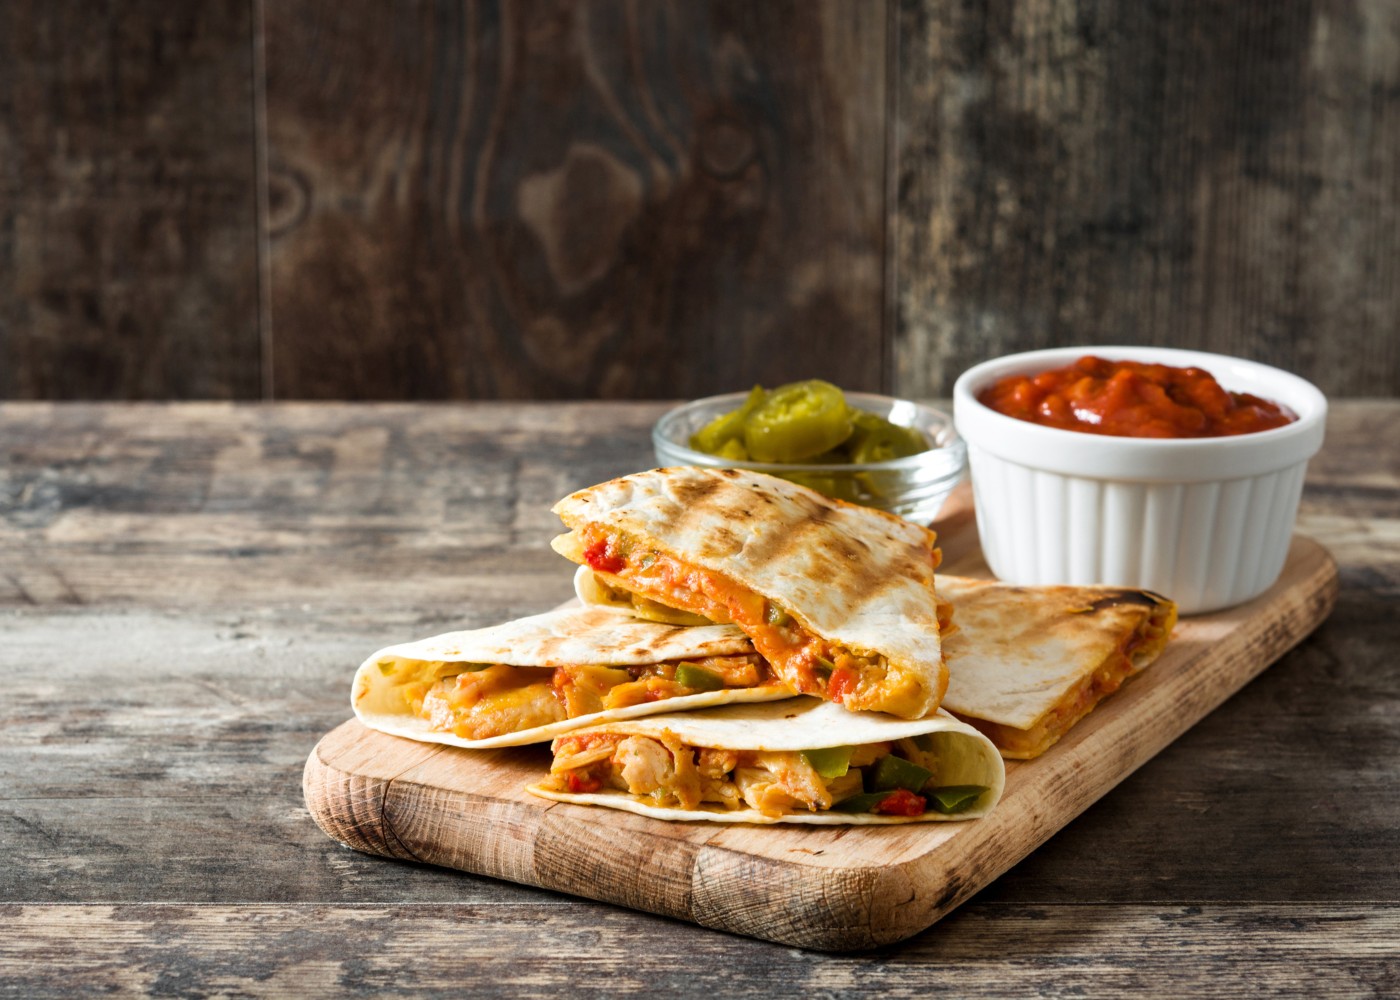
column 1204, row 521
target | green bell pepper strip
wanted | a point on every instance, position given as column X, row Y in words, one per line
column 955, row 798
column 829, row 762
column 895, row 772
column 691, row 676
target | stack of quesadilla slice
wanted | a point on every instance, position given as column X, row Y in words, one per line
column 705, row 588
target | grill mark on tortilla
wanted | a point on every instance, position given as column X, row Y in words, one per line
column 814, row 538
column 862, row 576
column 691, row 493
column 717, row 503
column 694, row 500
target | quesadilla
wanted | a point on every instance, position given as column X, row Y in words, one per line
column 796, row 761
column 838, row 598
column 528, row 680
column 1027, row 663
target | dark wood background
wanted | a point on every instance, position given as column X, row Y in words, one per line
column 241, row 199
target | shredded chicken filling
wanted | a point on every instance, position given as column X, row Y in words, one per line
column 498, row 699
column 666, row 772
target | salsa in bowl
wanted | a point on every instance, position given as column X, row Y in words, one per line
column 1206, row 521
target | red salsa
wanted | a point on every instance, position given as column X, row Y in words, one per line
column 1133, row 399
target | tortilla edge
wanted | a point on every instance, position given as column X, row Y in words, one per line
column 623, row 801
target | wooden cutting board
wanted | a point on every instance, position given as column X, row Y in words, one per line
column 827, row 888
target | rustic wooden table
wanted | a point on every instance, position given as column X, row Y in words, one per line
column 186, row 589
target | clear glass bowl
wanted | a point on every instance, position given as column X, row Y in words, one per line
column 914, row 488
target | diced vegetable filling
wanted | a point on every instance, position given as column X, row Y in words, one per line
column 897, row 778
column 806, row 662
column 477, row 701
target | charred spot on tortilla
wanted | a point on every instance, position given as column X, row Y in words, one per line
column 726, row 536
column 1143, row 598
column 693, row 493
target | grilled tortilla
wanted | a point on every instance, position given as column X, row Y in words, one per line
column 838, row 598
column 528, row 680
column 1027, row 663
column 796, row 761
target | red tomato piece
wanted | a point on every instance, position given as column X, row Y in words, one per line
column 602, row 557
column 842, row 684
column 581, row 784
column 901, row 802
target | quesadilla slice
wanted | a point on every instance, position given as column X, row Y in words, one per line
column 839, row 599
column 528, row 680
column 1027, row 663
column 796, row 761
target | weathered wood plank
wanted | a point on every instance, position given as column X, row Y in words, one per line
column 1215, row 176
column 593, row 950
column 128, row 254
column 443, row 510
column 561, row 200
column 227, row 558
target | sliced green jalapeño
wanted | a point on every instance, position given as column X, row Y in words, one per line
column 812, row 424
column 797, row 421
column 829, row 762
column 875, row 439
column 726, row 430
column 692, row 676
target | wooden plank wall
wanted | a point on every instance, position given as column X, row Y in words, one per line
column 1215, row 175
column 572, row 198
column 128, row 223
